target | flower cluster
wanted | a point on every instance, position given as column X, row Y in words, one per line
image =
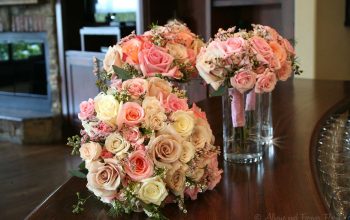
column 246, row 59
column 169, row 51
column 143, row 146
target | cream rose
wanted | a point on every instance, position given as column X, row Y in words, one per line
column 112, row 58
column 158, row 87
column 104, row 178
column 164, row 150
column 116, row 144
column 176, row 177
column 90, row 151
column 183, row 122
column 151, row 104
column 155, row 120
column 178, row 51
column 152, row 191
column 107, row 108
column 196, row 175
column 188, row 151
column 202, row 134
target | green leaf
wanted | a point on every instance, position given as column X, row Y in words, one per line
column 77, row 173
column 122, row 74
column 218, row 92
column 82, row 165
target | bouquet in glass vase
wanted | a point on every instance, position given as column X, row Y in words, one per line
column 244, row 67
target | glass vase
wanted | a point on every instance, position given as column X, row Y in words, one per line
column 264, row 102
column 242, row 126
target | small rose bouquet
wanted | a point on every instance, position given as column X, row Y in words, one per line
column 247, row 61
column 143, row 147
column 168, row 51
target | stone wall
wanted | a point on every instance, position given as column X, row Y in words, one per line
column 45, row 8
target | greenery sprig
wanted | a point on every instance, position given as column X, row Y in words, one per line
column 79, row 206
column 75, row 142
column 153, row 212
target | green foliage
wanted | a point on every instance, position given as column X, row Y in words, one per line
column 102, row 78
column 160, row 172
column 122, row 74
column 218, row 92
column 77, row 173
column 145, row 131
column 74, row 142
column 122, row 96
column 296, row 67
column 78, row 207
column 153, row 212
column 153, row 25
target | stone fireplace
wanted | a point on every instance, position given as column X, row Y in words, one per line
column 30, row 107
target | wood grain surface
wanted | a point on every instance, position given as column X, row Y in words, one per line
column 281, row 186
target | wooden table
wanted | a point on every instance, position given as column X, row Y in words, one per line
column 282, row 185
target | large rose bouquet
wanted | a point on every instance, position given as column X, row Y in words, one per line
column 169, row 51
column 143, row 147
column 247, row 59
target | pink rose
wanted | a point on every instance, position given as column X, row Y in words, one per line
column 233, row 45
column 116, row 83
column 105, row 154
column 263, row 51
column 273, row 34
column 103, row 129
column 289, row 48
column 243, row 80
column 192, row 192
column 90, row 151
column 173, row 103
column 133, row 135
column 87, row 109
column 155, row 60
column 139, row 147
column 214, row 172
column 135, row 87
column 285, row 72
column 131, row 114
column 198, row 113
column 266, row 82
column 139, row 166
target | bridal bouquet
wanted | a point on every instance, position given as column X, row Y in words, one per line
column 169, row 51
column 247, row 59
column 142, row 145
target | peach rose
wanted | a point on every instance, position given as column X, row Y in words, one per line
column 158, row 87
column 279, row 52
column 263, row 51
column 90, row 151
column 185, row 38
column 196, row 45
column 202, row 134
column 87, row 109
column 266, row 82
column 150, row 104
column 164, row 150
column 139, row 166
column 178, row 51
column 173, row 103
column 131, row 49
column 272, row 33
column 192, row 192
column 285, row 72
column 198, row 113
column 188, row 152
column 112, row 58
column 135, row 87
column 175, row 178
column 131, row 114
column 243, row 80
column 289, row 48
column 103, row 179
column 156, row 61
column 155, row 120
column 196, row 174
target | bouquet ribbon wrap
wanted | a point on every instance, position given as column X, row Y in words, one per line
column 250, row 101
column 237, row 108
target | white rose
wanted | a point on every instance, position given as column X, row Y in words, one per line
column 116, row 144
column 183, row 122
column 152, row 191
column 103, row 179
column 206, row 64
column 107, row 108
column 112, row 58
column 188, row 151
column 90, row 151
